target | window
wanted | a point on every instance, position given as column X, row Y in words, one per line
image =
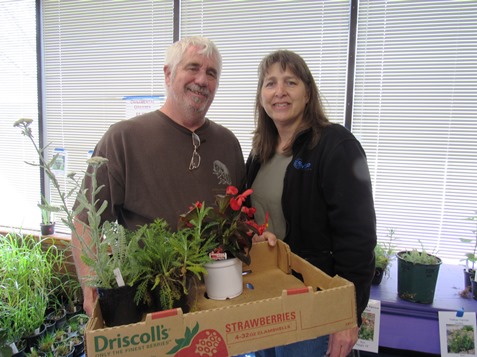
column 415, row 109
column 246, row 31
column 19, row 183
column 96, row 55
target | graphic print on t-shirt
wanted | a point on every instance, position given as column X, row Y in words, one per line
column 222, row 173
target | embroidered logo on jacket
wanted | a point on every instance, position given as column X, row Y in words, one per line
column 300, row 165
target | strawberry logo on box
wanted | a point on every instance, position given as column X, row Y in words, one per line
column 195, row 343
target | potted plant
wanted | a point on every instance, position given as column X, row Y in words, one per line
column 58, row 315
column 169, row 261
column 110, row 258
column 384, row 253
column 71, row 295
column 35, row 353
column 63, row 348
column 417, row 275
column 5, row 349
column 471, row 259
column 46, row 342
column 77, row 324
column 47, row 226
column 27, row 276
column 78, row 344
column 230, row 225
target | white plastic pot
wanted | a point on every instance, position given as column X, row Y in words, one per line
column 224, row 279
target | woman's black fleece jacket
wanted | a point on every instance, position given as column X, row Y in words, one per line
column 328, row 206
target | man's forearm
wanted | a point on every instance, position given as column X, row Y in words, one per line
column 79, row 239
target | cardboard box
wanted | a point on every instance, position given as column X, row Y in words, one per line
column 279, row 309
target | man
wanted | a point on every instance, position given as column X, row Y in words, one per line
column 161, row 162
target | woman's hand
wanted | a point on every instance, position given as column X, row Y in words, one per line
column 341, row 343
column 266, row 236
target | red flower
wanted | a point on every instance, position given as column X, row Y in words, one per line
column 228, row 222
column 259, row 228
column 250, row 212
column 197, row 205
column 231, row 190
column 237, row 202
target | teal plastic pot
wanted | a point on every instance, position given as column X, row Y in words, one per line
column 417, row 282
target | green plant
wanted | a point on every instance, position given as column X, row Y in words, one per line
column 111, row 255
column 461, row 341
column 45, row 214
column 5, row 349
column 228, row 223
column 71, row 294
column 108, row 253
column 77, row 342
column 28, row 281
column 47, row 211
column 33, row 353
column 419, row 257
column 471, row 257
column 168, row 260
column 46, row 207
column 63, row 349
column 59, row 336
column 366, row 330
column 384, row 252
column 78, row 321
column 46, row 342
column 77, row 324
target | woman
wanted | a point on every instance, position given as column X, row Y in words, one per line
column 311, row 176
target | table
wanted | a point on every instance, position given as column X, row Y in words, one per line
column 412, row 326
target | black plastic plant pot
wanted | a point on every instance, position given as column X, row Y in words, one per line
column 47, row 229
column 378, row 276
column 21, row 346
column 78, row 344
column 32, row 341
column 474, row 289
column 59, row 316
column 118, row 306
column 469, row 276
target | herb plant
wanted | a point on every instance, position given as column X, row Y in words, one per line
column 168, row 260
column 384, row 252
column 471, row 257
column 419, row 257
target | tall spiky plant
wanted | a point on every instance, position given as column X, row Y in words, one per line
column 105, row 237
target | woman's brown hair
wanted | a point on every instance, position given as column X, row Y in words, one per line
column 265, row 137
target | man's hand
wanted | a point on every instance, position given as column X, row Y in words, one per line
column 82, row 270
column 89, row 297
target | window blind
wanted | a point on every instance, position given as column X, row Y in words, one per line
column 246, row 31
column 97, row 53
column 19, row 182
column 415, row 109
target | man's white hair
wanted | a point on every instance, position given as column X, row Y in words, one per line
column 176, row 51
